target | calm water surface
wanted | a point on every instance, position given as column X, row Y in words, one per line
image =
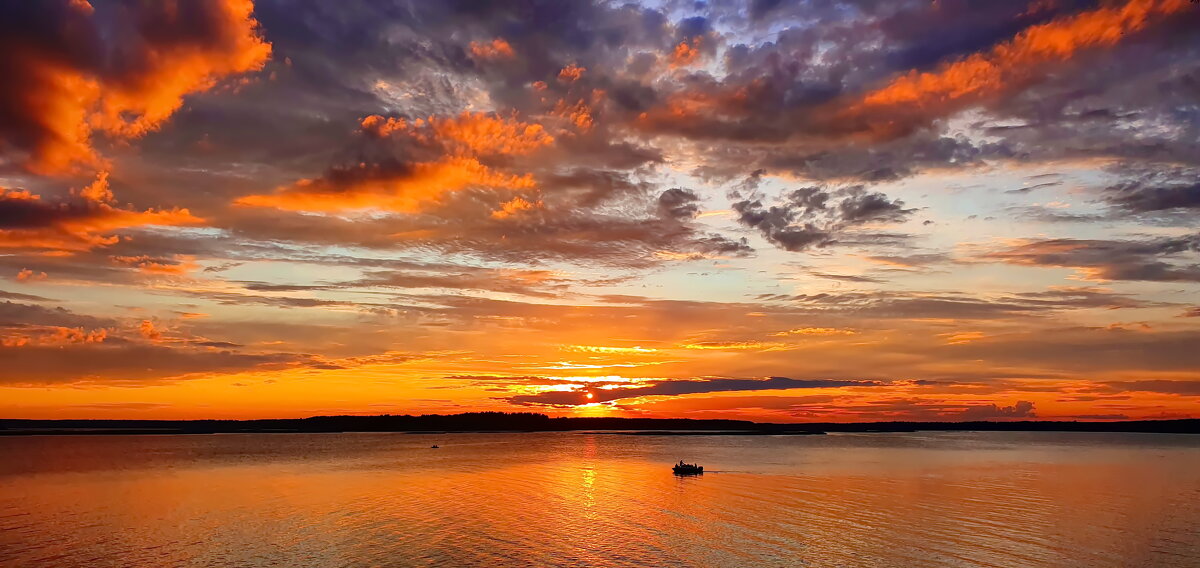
column 576, row 499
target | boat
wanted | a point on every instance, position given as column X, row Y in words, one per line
column 433, row 447
column 682, row 468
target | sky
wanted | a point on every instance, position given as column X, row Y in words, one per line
column 783, row 211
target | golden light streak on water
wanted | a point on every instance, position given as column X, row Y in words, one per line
column 921, row 499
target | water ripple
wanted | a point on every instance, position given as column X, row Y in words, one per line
column 958, row 499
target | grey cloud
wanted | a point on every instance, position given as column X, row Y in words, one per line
column 1022, row 409
column 5, row 295
column 915, row 260
column 901, row 305
column 1035, row 187
column 1086, row 350
column 814, row 217
column 14, row 314
column 124, row 363
column 1149, row 199
column 679, row 203
column 676, row 387
column 1185, row 388
column 1154, row 189
column 861, row 206
column 1110, row 259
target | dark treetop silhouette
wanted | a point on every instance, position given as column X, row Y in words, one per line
column 534, row 422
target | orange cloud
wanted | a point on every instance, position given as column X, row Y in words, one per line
column 571, row 73
column 514, row 206
column 164, row 266
column 149, row 331
column 483, row 134
column 685, row 54
column 97, row 190
column 916, row 97
column 53, row 335
column 459, row 143
column 371, row 186
column 58, row 92
column 466, row 134
column 686, row 107
column 580, row 114
column 1013, row 63
column 496, row 49
column 27, row 275
column 608, row 350
column 962, row 337
column 383, row 127
column 734, row 346
column 81, row 223
column 141, row 103
column 815, row 331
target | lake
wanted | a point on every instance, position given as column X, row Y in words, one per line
column 596, row 499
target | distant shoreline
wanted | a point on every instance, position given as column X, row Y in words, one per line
column 480, row 422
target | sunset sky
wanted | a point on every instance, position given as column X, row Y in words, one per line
column 822, row 210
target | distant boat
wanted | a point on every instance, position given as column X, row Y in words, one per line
column 687, row 468
column 433, row 447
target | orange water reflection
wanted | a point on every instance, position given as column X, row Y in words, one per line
column 592, row 499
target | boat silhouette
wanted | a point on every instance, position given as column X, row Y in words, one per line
column 682, row 468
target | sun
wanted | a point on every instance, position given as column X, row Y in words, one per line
column 590, row 396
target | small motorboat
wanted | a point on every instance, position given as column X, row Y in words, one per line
column 682, row 468
column 433, row 447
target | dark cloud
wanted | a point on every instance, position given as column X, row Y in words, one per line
column 1035, row 187
column 679, row 203
column 104, row 363
column 889, row 305
column 899, row 408
column 1086, row 350
column 1046, row 214
column 1022, row 409
column 912, row 261
column 1110, row 259
column 120, row 68
column 217, row 344
column 15, row 314
column 85, row 220
column 1149, row 199
column 861, row 206
column 1185, row 388
column 339, row 55
column 1155, row 190
column 590, row 187
column 814, row 217
column 42, row 345
column 845, row 277
column 1084, row 114
column 1081, row 298
column 678, row 387
column 242, row 299
column 5, row 295
column 628, row 236
column 538, row 283
column 869, row 93
column 504, row 380
column 423, row 225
